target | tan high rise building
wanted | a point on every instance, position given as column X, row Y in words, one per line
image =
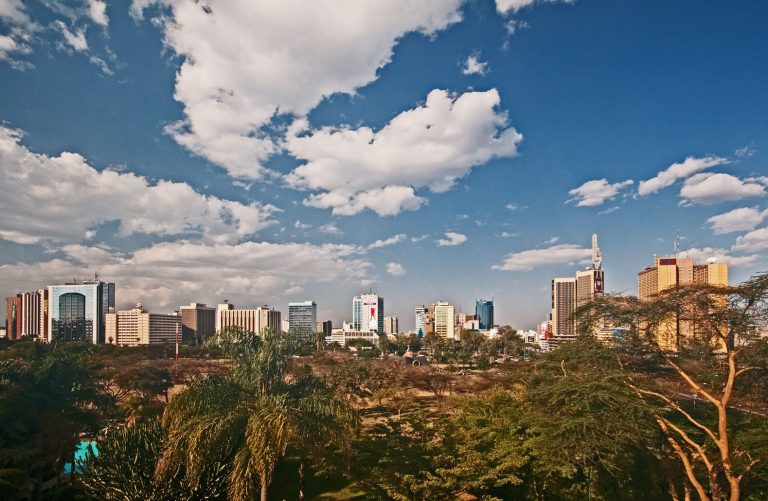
column 668, row 272
column 252, row 320
column 563, row 306
column 138, row 327
column 197, row 321
column 445, row 322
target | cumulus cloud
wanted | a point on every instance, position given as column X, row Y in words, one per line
column 74, row 40
column 378, row 244
column 676, row 171
column 452, row 239
column 395, row 269
column 535, row 258
column 512, row 6
column 712, row 188
column 331, row 229
column 596, row 192
column 429, row 146
column 166, row 275
column 709, row 254
column 756, row 240
column 97, row 11
column 61, row 198
column 742, row 219
column 20, row 30
column 474, row 66
column 246, row 62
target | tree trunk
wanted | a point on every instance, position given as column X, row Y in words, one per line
column 264, row 487
column 302, row 481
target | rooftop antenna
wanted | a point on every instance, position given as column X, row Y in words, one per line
column 597, row 257
column 676, row 247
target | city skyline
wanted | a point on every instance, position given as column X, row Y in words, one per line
column 440, row 150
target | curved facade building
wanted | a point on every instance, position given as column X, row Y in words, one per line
column 77, row 312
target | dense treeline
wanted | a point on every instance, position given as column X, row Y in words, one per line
column 247, row 417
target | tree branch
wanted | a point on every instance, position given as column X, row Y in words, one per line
column 692, row 383
column 686, row 462
column 678, row 409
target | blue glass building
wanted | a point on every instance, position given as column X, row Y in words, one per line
column 484, row 313
column 77, row 312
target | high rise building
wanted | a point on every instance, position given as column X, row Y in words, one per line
column 251, row 320
column 368, row 313
column 302, row 317
column 197, row 321
column 673, row 271
column 422, row 319
column 445, row 320
column 25, row 314
column 325, row 327
column 136, row 327
column 391, row 325
column 77, row 311
column 219, row 308
column 484, row 313
column 563, row 306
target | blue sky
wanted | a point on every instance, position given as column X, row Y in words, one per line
column 430, row 150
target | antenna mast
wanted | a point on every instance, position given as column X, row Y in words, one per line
column 597, row 257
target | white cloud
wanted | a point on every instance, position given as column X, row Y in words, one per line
column 676, row 171
column 330, row 228
column 167, row 275
column 378, row 244
column 429, row 146
column 97, row 11
column 708, row 254
column 301, row 226
column 756, row 240
column 535, row 258
column 552, row 240
column 245, row 62
column 742, row 219
column 507, row 6
column 506, row 234
column 596, row 192
column 75, row 40
column 61, row 198
column 474, row 66
column 20, row 32
column 712, row 188
column 452, row 239
column 514, row 25
column 514, row 207
column 745, row 152
column 395, row 269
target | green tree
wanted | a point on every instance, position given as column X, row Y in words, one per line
column 254, row 418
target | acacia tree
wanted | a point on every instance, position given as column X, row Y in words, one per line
column 720, row 331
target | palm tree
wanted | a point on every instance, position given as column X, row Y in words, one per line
column 253, row 417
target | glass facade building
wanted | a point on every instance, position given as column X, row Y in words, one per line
column 302, row 317
column 77, row 312
column 484, row 313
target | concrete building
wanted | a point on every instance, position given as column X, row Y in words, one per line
column 77, row 311
column 484, row 313
column 346, row 334
column 325, row 327
column 225, row 306
column 285, row 326
column 368, row 313
column 302, row 317
column 445, row 321
column 26, row 315
column 563, row 306
column 136, row 327
column 252, row 320
column 391, row 325
column 673, row 271
column 197, row 321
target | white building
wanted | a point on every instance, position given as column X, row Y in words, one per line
column 251, row 320
column 138, row 327
column 391, row 325
column 368, row 313
column 225, row 306
column 445, row 323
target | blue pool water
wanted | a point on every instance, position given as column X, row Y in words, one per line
column 82, row 452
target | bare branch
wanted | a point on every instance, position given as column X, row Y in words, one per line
column 680, row 410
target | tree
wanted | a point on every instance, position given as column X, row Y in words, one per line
column 251, row 419
column 717, row 348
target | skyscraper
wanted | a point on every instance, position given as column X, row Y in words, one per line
column 197, row 321
column 390, row 325
column 484, row 313
column 422, row 318
column 77, row 311
column 368, row 313
column 445, row 320
column 563, row 306
column 302, row 317
column 673, row 271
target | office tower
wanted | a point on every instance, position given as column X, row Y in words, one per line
column 251, row 320
column 77, row 311
column 197, row 322
column 673, row 271
column 422, row 319
column 284, row 325
column 368, row 313
column 136, row 327
column 219, row 308
column 590, row 282
column 391, row 325
column 325, row 327
column 302, row 317
column 484, row 313
column 563, row 306
column 23, row 315
column 42, row 317
column 445, row 322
